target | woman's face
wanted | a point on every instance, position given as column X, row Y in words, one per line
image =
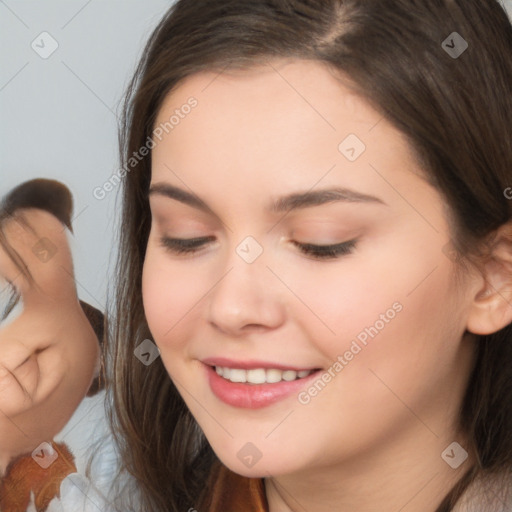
column 268, row 164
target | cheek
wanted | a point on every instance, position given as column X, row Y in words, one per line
column 170, row 294
column 397, row 314
column 340, row 303
column 407, row 344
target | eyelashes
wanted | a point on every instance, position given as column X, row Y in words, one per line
column 327, row 251
column 182, row 246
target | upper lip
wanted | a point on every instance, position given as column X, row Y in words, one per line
column 252, row 364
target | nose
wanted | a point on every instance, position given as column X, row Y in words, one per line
column 246, row 299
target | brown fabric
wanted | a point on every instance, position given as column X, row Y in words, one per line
column 25, row 476
column 235, row 493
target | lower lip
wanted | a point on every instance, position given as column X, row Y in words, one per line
column 253, row 396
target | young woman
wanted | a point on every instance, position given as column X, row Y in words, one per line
column 317, row 236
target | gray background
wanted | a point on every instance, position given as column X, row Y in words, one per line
column 58, row 115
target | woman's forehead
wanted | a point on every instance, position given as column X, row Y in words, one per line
column 297, row 82
column 293, row 122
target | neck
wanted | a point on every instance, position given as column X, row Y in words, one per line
column 408, row 476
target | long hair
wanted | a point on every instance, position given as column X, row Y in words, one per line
column 456, row 114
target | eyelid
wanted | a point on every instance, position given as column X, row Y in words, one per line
column 184, row 245
column 315, row 251
column 327, row 252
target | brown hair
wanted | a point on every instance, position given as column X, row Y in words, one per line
column 456, row 114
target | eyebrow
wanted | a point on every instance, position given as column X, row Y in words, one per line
column 294, row 201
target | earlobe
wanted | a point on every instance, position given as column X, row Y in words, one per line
column 492, row 305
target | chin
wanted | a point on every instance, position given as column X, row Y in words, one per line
column 272, row 465
column 257, row 471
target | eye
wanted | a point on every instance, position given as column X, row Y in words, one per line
column 191, row 245
column 184, row 245
column 326, row 251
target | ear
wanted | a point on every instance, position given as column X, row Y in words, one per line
column 492, row 305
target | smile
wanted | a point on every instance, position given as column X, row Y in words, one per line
column 260, row 375
column 256, row 386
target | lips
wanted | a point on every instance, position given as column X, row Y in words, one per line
column 254, row 384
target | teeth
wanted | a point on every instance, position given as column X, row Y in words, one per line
column 237, row 375
column 289, row 375
column 273, row 376
column 260, row 375
column 256, row 376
